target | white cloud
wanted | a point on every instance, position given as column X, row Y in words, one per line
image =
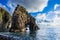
column 49, row 16
column 3, row 6
column 57, row 18
column 32, row 5
column 11, row 6
column 52, row 16
column 41, row 16
column 56, row 5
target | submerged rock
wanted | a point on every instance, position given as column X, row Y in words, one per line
column 2, row 37
column 20, row 19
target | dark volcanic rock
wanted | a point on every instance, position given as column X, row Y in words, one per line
column 20, row 19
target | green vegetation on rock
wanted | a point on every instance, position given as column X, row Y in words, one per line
column 4, row 19
column 0, row 17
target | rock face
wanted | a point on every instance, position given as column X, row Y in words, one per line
column 32, row 24
column 21, row 19
column 4, row 19
column 0, row 15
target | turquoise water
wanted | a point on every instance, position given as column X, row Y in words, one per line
column 46, row 32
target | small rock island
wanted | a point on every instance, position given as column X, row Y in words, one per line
column 22, row 19
column 18, row 22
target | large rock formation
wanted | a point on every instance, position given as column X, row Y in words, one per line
column 4, row 19
column 20, row 19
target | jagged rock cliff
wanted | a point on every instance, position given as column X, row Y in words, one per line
column 21, row 19
column 4, row 19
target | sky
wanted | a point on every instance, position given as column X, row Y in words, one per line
column 40, row 9
column 32, row 6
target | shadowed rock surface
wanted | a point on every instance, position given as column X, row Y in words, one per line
column 20, row 19
column 4, row 19
column 2, row 37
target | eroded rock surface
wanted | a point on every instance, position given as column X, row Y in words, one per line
column 20, row 19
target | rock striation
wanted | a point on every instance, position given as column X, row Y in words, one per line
column 22, row 19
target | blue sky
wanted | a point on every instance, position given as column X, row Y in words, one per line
column 49, row 6
column 4, row 2
column 40, row 9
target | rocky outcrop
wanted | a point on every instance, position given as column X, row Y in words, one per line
column 4, row 19
column 20, row 19
column 32, row 24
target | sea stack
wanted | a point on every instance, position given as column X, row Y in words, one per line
column 20, row 19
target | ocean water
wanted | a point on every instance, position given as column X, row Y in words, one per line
column 46, row 32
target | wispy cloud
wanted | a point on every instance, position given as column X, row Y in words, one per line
column 3, row 6
column 8, row 6
column 11, row 6
column 56, row 5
